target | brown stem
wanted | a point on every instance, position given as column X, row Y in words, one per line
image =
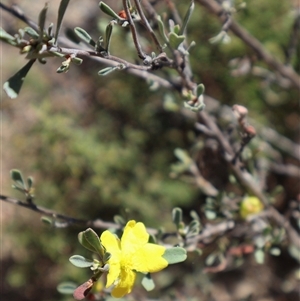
column 137, row 44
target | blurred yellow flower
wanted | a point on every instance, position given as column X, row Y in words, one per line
column 130, row 255
column 250, row 205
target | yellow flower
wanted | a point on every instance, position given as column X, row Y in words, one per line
column 130, row 255
column 250, row 205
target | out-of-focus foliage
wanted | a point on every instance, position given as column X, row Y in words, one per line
column 101, row 146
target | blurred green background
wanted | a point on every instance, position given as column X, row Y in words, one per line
column 101, row 146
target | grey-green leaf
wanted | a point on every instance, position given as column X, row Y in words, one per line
column 177, row 216
column 80, row 261
column 259, row 256
column 83, row 35
column 148, row 283
column 108, row 33
column 66, row 288
column 161, row 28
column 6, row 37
column 187, row 17
column 42, row 21
column 175, row 255
column 17, row 177
column 200, row 89
column 31, row 32
column 13, row 86
column 61, row 12
column 109, row 11
column 107, row 70
column 175, row 40
column 90, row 240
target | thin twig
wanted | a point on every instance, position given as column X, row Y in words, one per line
column 147, row 25
column 254, row 44
column 18, row 13
column 137, row 44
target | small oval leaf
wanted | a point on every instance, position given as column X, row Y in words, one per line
column 177, row 216
column 80, row 261
column 90, row 240
column 66, row 288
column 106, row 9
column 148, row 283
column 17, row 177
column 175, row 255
column 83, row 35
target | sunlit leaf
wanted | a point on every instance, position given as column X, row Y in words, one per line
column 175, row 255
column 148, row 283
column 175, row 40
column 80, row 261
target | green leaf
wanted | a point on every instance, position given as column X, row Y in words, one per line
column 77, row 60
column 175, row 255
column 210, row 214
column 197, row 106
column 17, row 177
column 148, row 283
column 210, row 259
column 177, row 216
column 42, row 20
column 90, row 240
column 31, row 32
column 47, row 220
column 175, row 40
column 183, row 156
column 107, row 70
column 66, row 288
column 161, row 28
column 187, row 17
column 80, row 261
column 83, row 35
column 294, row 251
column 106, row 256
column 194, row 227
column 200, row 90
column 6, row 37
column 107, row 10
column 13, row 86
column 259, row 256
column 275, row 251
column 176, row 29
column 108, row 33
column 30, row 182
column 61, row 12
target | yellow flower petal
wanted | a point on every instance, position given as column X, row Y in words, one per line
column 134, row 234
column 149, row 259
column 112, row 245
column 127, row 279
column 132, row 254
